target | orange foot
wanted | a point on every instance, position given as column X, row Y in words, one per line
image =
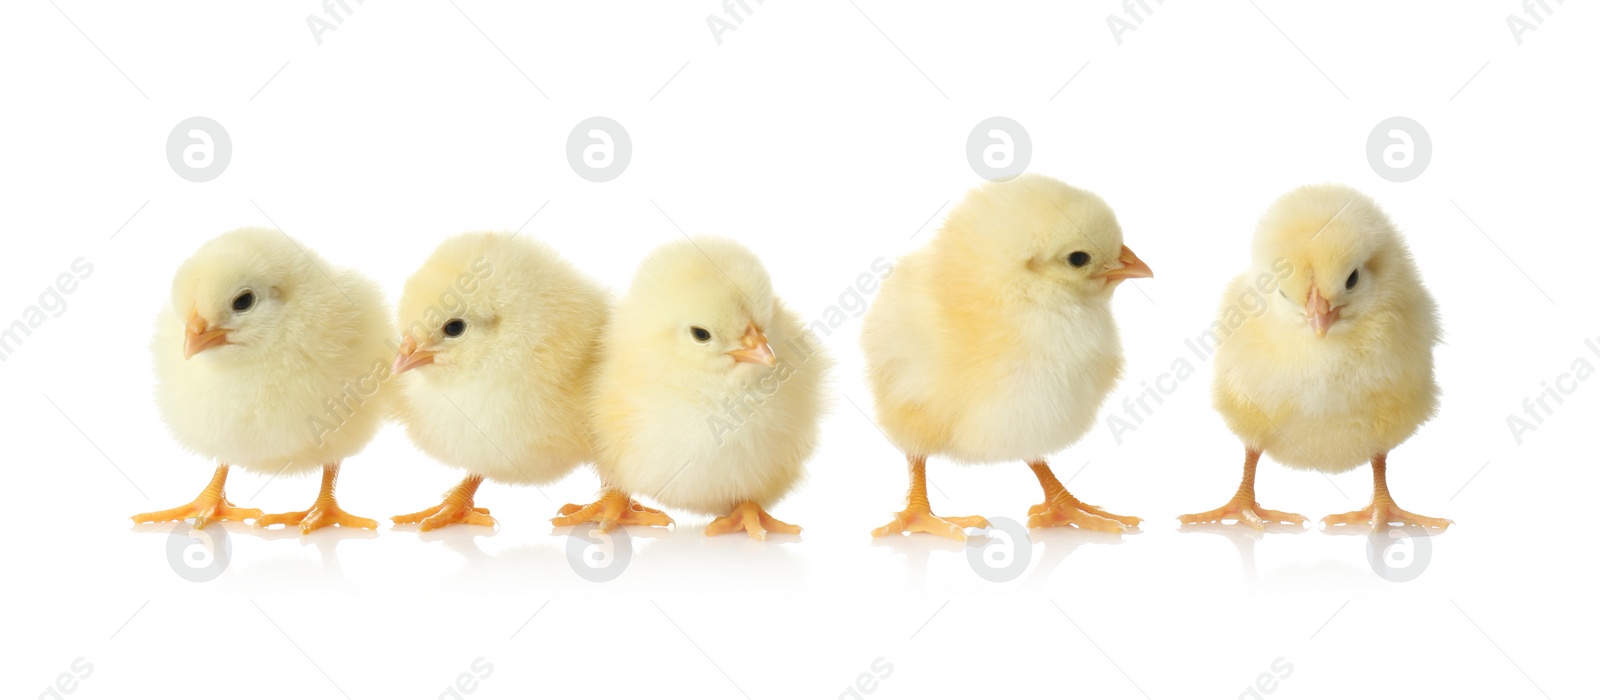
column 446, row 513
column 322, row 514
column 455, row 508
column 1382, row 513
column 1247, row 512
column 211, row 504
column 1065, row 510
column 611, row 510
column 917, row 518
column 753, row 520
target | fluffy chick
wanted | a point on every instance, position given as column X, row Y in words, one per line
column 270, row 359
column 1335, row 367
column 500, row 349
column 996, row 342
column 710, row 392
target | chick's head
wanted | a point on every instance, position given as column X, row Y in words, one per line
column 243, row 294
column 1053, row 243
column 477, row 294
column 1343, row 256
column 703, row 305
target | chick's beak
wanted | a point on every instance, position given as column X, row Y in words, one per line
column 754, row 348
column 410, row 357
column 1319, row 314
column 199, row 336
column 1131, row 267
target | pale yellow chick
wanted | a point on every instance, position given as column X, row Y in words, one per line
column 271, row 359
column 1335, row 369
column 709, row 395
column 996, row 342
column 501, row 345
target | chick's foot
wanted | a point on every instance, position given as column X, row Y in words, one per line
column 324, row 512
column 446, row 513
column 1247, row 512
column 1381, row 514
column 613, row 509
column 321, row 515
column 456, row 508
column 1064, row 511
column 921, row 519
column 750, row 517
column 211, row 504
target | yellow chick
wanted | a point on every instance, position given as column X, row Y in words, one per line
column 1333, row 369
column 996, row 342
column 500, row 348
column 270, row 359
column 709, row 394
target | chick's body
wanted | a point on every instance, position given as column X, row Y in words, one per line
column 996, row 342
column 1335, row 369
column 710, row 392
column 271, row 359
column 502, row 395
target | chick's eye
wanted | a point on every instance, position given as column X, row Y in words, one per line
column 1078, row 259
column 454, row 328
column 701, row 335
column 244, row 301
column 1350, row 282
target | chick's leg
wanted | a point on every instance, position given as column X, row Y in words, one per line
column 324, row 512
column 1383, row 511
column 1061, row 508
column 1243, row 507
column 456, row 508
column 614, row 508
column 918, row 515
column 211, row 504
column 750, row 517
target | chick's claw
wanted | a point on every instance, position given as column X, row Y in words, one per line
column 1064, row 513
column 202, row 510
column 922, row 520
column 1246, row 512
column 611, row 510
column 1379, row 515
column 750, row 517
column 321, row 515
column 447, row 513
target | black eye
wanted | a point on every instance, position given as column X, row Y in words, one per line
column 244, row 301
column 454, row 327
column 1350, row 282
column 1078, row 259
column 701, row 335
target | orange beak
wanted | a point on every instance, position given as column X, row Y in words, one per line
column 409, row 357
column 754, row 348
column 1318, row 313
column 1132, row 266
column 199, row 337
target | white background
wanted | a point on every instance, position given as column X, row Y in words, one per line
column 823, row 135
